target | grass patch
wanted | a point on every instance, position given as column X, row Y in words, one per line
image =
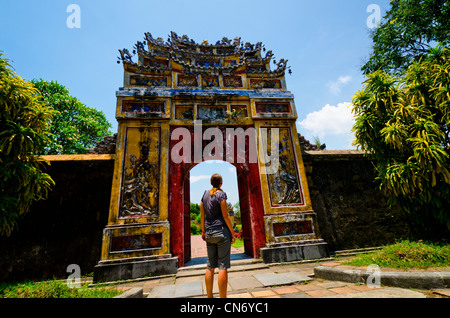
column 238, row 243
column 406, row 254
column 54, row 289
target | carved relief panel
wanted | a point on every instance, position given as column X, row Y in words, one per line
column 284, row 184
column 140, row 179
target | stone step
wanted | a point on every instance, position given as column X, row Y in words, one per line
column 356, row 251
column 236, row 266
column 234, row 262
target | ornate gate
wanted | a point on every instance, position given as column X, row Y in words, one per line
column 183, row 103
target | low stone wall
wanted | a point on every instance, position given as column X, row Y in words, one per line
column 67, row 227
column 351, row 211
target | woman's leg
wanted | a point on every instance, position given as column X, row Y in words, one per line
column 209, row 280
column 211, row 246
column 223, row 283
column 223, row 251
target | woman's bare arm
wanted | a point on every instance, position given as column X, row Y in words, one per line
column 202, row 220
column 227, row 218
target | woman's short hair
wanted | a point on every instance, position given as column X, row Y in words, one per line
column 216, row 180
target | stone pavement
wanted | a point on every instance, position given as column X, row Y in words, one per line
column 251, row 278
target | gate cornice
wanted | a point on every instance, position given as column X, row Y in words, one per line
column 171, row 92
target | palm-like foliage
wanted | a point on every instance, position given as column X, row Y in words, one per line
column 403, row 122
column 24, row 121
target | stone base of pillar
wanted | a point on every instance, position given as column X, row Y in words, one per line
column 295, row 251
column 132, row 268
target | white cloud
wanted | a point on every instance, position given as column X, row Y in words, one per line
column 194, row 179
column 330, row 120
column 335, row 87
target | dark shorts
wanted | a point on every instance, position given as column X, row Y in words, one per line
column 218, row 244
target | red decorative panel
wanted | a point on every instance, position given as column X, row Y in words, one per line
column 136, row 242
column 292, row 228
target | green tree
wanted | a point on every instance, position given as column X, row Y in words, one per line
column 237, row 209
column 408, row 30
column 403, row 122
column 24, row 124
column 194, row 210
column 195, row 219
column 195, row 229
column 76, row 126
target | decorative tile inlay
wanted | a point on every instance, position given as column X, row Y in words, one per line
column 211, row 112
column 265, row 83
column 136, row 242
column 142, row 107
column 292, row 228
column 273, row 108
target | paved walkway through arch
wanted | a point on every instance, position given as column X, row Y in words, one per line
column 199, row 254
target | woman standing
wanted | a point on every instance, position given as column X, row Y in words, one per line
column 217, row 231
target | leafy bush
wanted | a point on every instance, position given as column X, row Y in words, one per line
column 24, row 128
column 402, row 122
column 195, row 229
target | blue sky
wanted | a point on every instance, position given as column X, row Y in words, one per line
column 325, row 41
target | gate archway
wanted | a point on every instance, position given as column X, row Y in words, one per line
column 245, row 221
column 249, row 188
column 182, row 103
